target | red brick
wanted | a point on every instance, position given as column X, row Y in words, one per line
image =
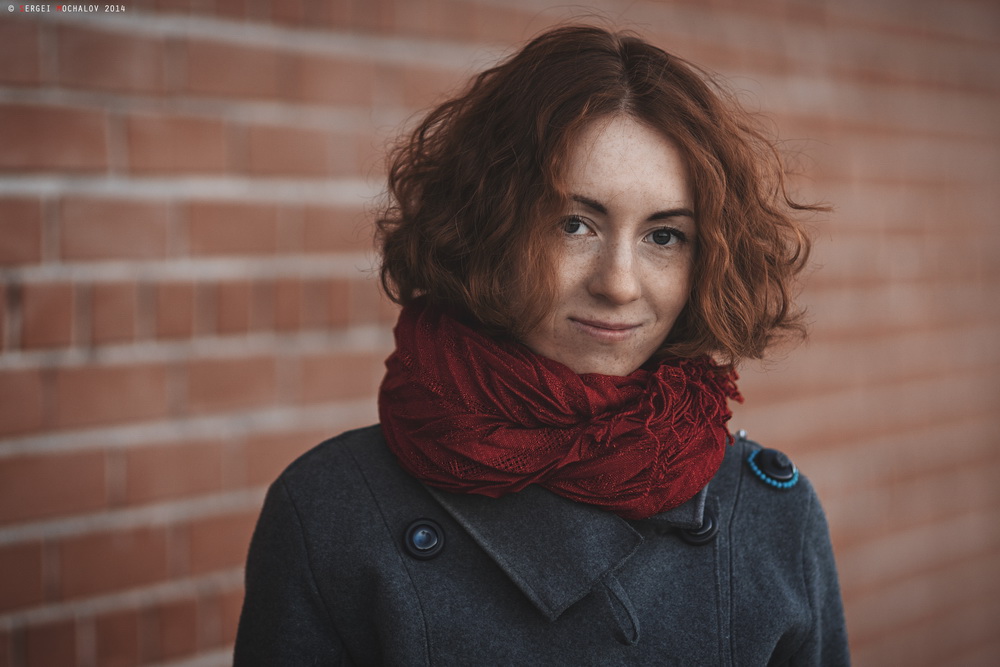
column 440, row 19
column 47, row 312
column 859, row 260
column 114, row 317
column 172, row 630
column 223, row 69
column 289, row 229
column 290, row 11
column 205, row 298
column 216, row 385
column 341, row 14
column 20, row 229
column 51, row 644
column 262, row 306
column 231, row 8
column 37, row 138
column 288, row 305
column 388, row 311
column 21, row 396
column 175, row 310
column 104, row 562
column 230, row 605
column 336, row 230
column 986, row 651
column 369, row 155
column 326, row 303
column 100, row 394
column 267, row 455
column 887, row 554
column 94, row 229
column 332, row 81
column 508, row 24
column 117, row 639
column 220, row 542
column 898, row 609
column 366, row 16
column 209, row 620
column 232, row 229
column 823, row 370
column 38, row 485
column 109, row 61
column 423, row 86
column 339, row 376
column 160, row 143
column 233, row 303
column 19, row 52
column 172, row 471
column 290, row 151
column 20, row 575
column 367, row 302
column 181, row 5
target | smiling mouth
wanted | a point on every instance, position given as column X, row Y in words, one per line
column 606, row 331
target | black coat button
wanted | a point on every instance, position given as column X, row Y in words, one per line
column 706, row 533
column 423, row 539
column 773, row 468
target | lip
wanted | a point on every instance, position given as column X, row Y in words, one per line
column 605, row 331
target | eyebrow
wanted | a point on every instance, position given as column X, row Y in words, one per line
column 659, row 215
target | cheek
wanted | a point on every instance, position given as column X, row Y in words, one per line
column 568, row 277
column 672, row 289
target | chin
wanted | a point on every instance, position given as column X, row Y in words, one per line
column 603, row 368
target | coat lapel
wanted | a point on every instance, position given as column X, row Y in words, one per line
column 553, row 549
column 688, row 516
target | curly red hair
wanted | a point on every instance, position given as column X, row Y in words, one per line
column 471, row 188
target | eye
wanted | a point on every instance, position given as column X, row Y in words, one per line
column 575, row 226
column 666, row 236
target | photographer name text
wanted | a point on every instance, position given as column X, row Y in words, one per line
column 66, row 9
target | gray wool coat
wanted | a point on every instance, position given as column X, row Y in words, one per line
column 353, row 562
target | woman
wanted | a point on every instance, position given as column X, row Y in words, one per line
column 574, row 239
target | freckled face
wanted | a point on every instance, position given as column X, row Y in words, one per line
column 626, row 250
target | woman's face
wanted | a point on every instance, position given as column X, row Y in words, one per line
column 626, row 251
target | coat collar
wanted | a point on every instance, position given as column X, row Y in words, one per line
column 555, row 550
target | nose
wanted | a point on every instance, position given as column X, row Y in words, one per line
column 614, row 274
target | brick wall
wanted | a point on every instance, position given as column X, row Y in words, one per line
column 186, row 299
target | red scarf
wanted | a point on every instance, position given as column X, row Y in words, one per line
column 470, row 414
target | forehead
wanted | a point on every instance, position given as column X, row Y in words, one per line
column 622, row 156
